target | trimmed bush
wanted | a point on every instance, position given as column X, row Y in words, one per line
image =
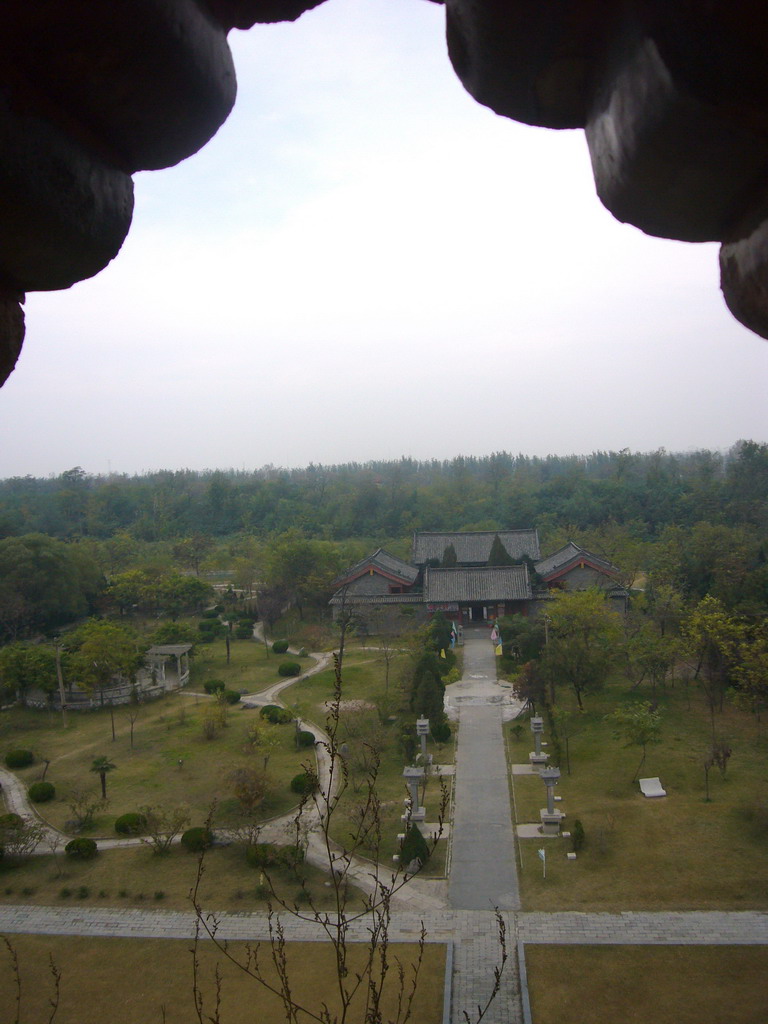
column 577, row 836
column 244, row 632
column 194, row 840
column 279, row 646
column 214, row 686
column 209, row 613
column 306, row 738
column 275, row 714
column 81, row 849
column 41, row 792
column 131, row 824
column 231, row 696
column 289, row 668
column 414, row 846
column 441, row 732
column 303, row 784
column 246, row 620
column 19, row 758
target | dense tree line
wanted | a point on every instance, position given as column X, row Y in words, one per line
column 391, row 499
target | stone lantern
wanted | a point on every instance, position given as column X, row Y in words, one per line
column 536, row 757
column 414, row 776
column 550, row 818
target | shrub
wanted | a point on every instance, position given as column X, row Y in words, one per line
column 415, row 847
column 268, row 855
column 441, row 732
column 131, row 824
column 209, row 613
column 194, row 840
column 231, row 696
column 214, row 686
column 280, row 646
column 81, row 849
column 275, row 714
column 262, row 855
column 41, row 792
column 453, row 676
column 289, row 668
column 304, row 783
column 246, row 620
column 306, row 738
column 19, row 758
column 577, row 836
column 244, row 632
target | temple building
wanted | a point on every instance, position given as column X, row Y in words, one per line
column 472, row 577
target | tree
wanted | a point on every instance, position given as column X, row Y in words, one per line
column 45, row 583
column 638, row 724
column 584, row 633
column 19, row 837
column 102, row 766
column 712, row 639
column 450, row 559
column 24, row 667
column 191, row 551
column 103, row 653
column 162, row 825
column 83, row 805
column 250, row 786
column 304, row 569
column 498, row 554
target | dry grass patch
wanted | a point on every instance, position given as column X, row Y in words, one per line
column 141, row 981
column 637, row 984
column 134, row 877
column 679, row 852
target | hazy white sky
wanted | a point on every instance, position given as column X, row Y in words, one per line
column 365, row 263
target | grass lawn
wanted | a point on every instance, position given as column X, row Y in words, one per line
column 637, row 984
column 142, row 981
column 679, row 852
column 167, row 732
column 251, row 666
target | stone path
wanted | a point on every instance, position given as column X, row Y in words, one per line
column 690, row 928
column 483, row 869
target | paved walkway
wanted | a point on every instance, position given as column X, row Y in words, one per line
column 483, row 870
column 690, row 928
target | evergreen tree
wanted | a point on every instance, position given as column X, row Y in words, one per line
column 499, row 554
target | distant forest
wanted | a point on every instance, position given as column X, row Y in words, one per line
column 643, row 493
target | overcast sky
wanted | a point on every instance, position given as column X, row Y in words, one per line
column 364, row 263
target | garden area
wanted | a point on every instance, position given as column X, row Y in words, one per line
column 202, row 752
column 702, row 847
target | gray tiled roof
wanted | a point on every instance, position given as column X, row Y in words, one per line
column 570, row 553
column 474, row 547
column 487, row 583
column 381, row 559
column 413, row 597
